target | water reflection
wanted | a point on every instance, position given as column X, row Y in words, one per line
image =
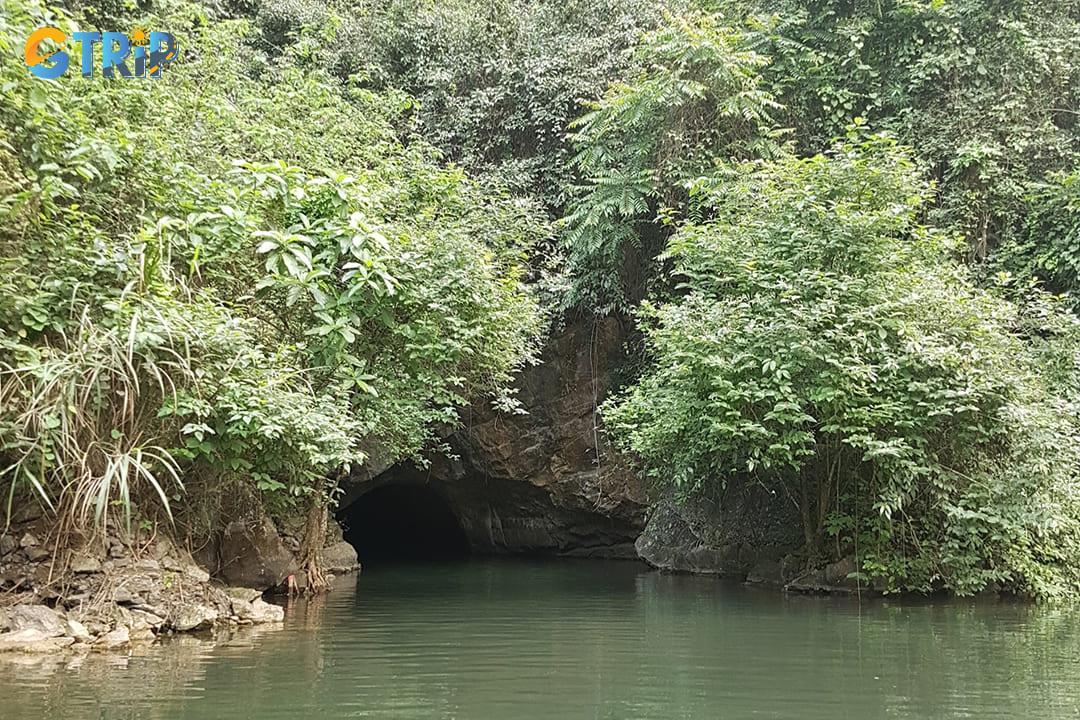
column 144, row 682
column 582, row 640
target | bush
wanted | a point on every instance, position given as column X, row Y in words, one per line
column 233, row 278
column 827, row 347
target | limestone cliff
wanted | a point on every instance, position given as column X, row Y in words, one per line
column 544, row 481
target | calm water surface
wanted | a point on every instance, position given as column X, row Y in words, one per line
column 566, row 640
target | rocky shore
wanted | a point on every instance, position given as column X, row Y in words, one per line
column 117, row 591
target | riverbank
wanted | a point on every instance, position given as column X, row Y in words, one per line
column 113, row 591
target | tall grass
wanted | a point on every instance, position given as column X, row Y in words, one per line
column 78, row 416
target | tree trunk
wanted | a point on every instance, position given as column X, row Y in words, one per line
column 314, row 538
column 809, row 541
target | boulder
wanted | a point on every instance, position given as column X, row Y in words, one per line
column 837, row 573
column 193, row 616
column 253, row 555
column 123, row 595
column 118, row 638
column 37, row 553
column 78, row 631
column 264, row 612
column 139, row 587
column 243, row 594
column 163, row 548
column 743, row 533
column 140, row 625
column 37, row 617
column 151, row 618
column 142, row 635
column 257, row 611
column 33, row 641
column 340, row 558
column 85, row 564
column 241, row 610
column 196, row 573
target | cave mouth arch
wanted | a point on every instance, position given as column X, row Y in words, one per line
column 403, row 522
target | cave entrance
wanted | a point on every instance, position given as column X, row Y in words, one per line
column 403, row 523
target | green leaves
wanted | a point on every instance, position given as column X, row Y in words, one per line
column 981, row 92
column 287, row 254
column 824, row 345
column 693, row 104
column 236, row 274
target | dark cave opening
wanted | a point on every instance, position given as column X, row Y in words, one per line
column 403, row 523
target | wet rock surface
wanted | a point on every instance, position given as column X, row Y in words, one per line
column 745, row 533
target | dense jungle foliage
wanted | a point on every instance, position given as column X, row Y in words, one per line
column 227, row 280
column 848, row 233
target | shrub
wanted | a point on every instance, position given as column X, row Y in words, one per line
column 232, row 278
column 826, row 346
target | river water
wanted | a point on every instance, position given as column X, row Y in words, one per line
column 499, row 640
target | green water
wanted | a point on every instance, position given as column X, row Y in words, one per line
column 523, row 641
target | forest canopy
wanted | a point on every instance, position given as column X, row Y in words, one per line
column 846, row 235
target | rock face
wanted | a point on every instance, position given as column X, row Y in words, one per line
column 38, row 618
column 340, row 558
column 549, row 482
column 107, row 598
column 747, row 532
column 252, row 554
column 546, row 481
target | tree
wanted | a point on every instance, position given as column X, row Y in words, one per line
column 694, row 102
column 827, row 347
column 984, row 93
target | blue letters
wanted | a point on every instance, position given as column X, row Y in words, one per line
column 87, row 39
column 113, row 57
column 148, row 53
column 159, row 56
